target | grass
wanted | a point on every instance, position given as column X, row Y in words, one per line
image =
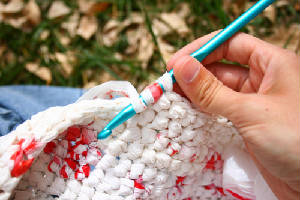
column 22, row 47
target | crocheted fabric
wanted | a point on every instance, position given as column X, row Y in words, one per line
column 169, row 151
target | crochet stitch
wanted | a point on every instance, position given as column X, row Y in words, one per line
column 169, row 151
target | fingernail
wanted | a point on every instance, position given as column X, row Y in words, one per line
column 190, row 70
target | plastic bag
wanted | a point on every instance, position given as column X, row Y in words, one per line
column 169, row 151
column 241, row 177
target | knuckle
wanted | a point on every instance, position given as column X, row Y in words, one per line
column 207, row 91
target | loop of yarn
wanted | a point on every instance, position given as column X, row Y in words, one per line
column 153, row 92
column 170, row 151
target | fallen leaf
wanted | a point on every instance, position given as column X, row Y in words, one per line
column 160, row 28
column 87, row 27
column 111, row 31
column 280, row 3
column 43, row 73
column 98, row 7
column 132, row 39
column 236, row 7
column 104, row 77
column 86, row 75
column 65, row 62
column 134, row 18
column 184, row 10
column 90, row 79
column 64, row 40
column 16, row 22
column 71, row 24
column 118, row 56
column 113, row 27
column 176, row 22
column 91, row 7
column 12, row 6
column 89, row 85
column 32, row 12
column 44, row 35
column 166, row 49
column 58, row 9
column 270, row 13
column 44, row 51
column 145, row 48
column 84, row 5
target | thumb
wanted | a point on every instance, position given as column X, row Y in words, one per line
column 204, row 89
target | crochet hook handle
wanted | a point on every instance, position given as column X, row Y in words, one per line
column 152, row 93
column 229, row 31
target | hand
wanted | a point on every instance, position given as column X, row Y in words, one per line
column 262, row 101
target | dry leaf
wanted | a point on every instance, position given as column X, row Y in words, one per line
column 132, row 39
column 104, row 77
column 91, row 7
column 146, row 47
column 44, row 50
column 134, row 18
column 16, row 22
column 87, row 27
column 160, row 28
column 90, row 79
column 176, row 22
column 65, row 63
column 85, row 5
column 44, row 35
column 32, row 12
column 58, row 9
column 269, row 12
column 184, row 10
column 118, row 56
column 64, row 40
column 166, row 50
column 140, row 42
column 98, row 7
column 280, row 3
column 71, row 24
column 113, row 27
column 43, row 73
column 111, row 31
column 12, row 6
column 89, row 85
column 234, row 6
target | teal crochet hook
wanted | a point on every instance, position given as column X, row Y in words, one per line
column 200, row 54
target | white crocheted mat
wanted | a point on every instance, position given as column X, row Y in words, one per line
column 170, row 151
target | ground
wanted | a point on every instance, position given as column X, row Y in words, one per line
column 82, row 43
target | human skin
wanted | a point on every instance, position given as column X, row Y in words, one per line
column 262, row 101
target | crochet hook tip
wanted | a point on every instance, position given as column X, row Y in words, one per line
column 104, row 134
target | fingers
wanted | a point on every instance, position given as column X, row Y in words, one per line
column 190, row 48
column 232, row 76
column 203, row 88
column 241, row 48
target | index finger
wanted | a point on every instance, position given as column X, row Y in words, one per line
column 239, row 48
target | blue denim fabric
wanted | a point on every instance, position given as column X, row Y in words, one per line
column 18, row 103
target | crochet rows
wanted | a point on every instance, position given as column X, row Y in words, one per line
column 169, row 151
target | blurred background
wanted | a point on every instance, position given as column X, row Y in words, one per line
column 82, row 43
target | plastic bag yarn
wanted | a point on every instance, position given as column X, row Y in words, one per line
column 169, row 151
